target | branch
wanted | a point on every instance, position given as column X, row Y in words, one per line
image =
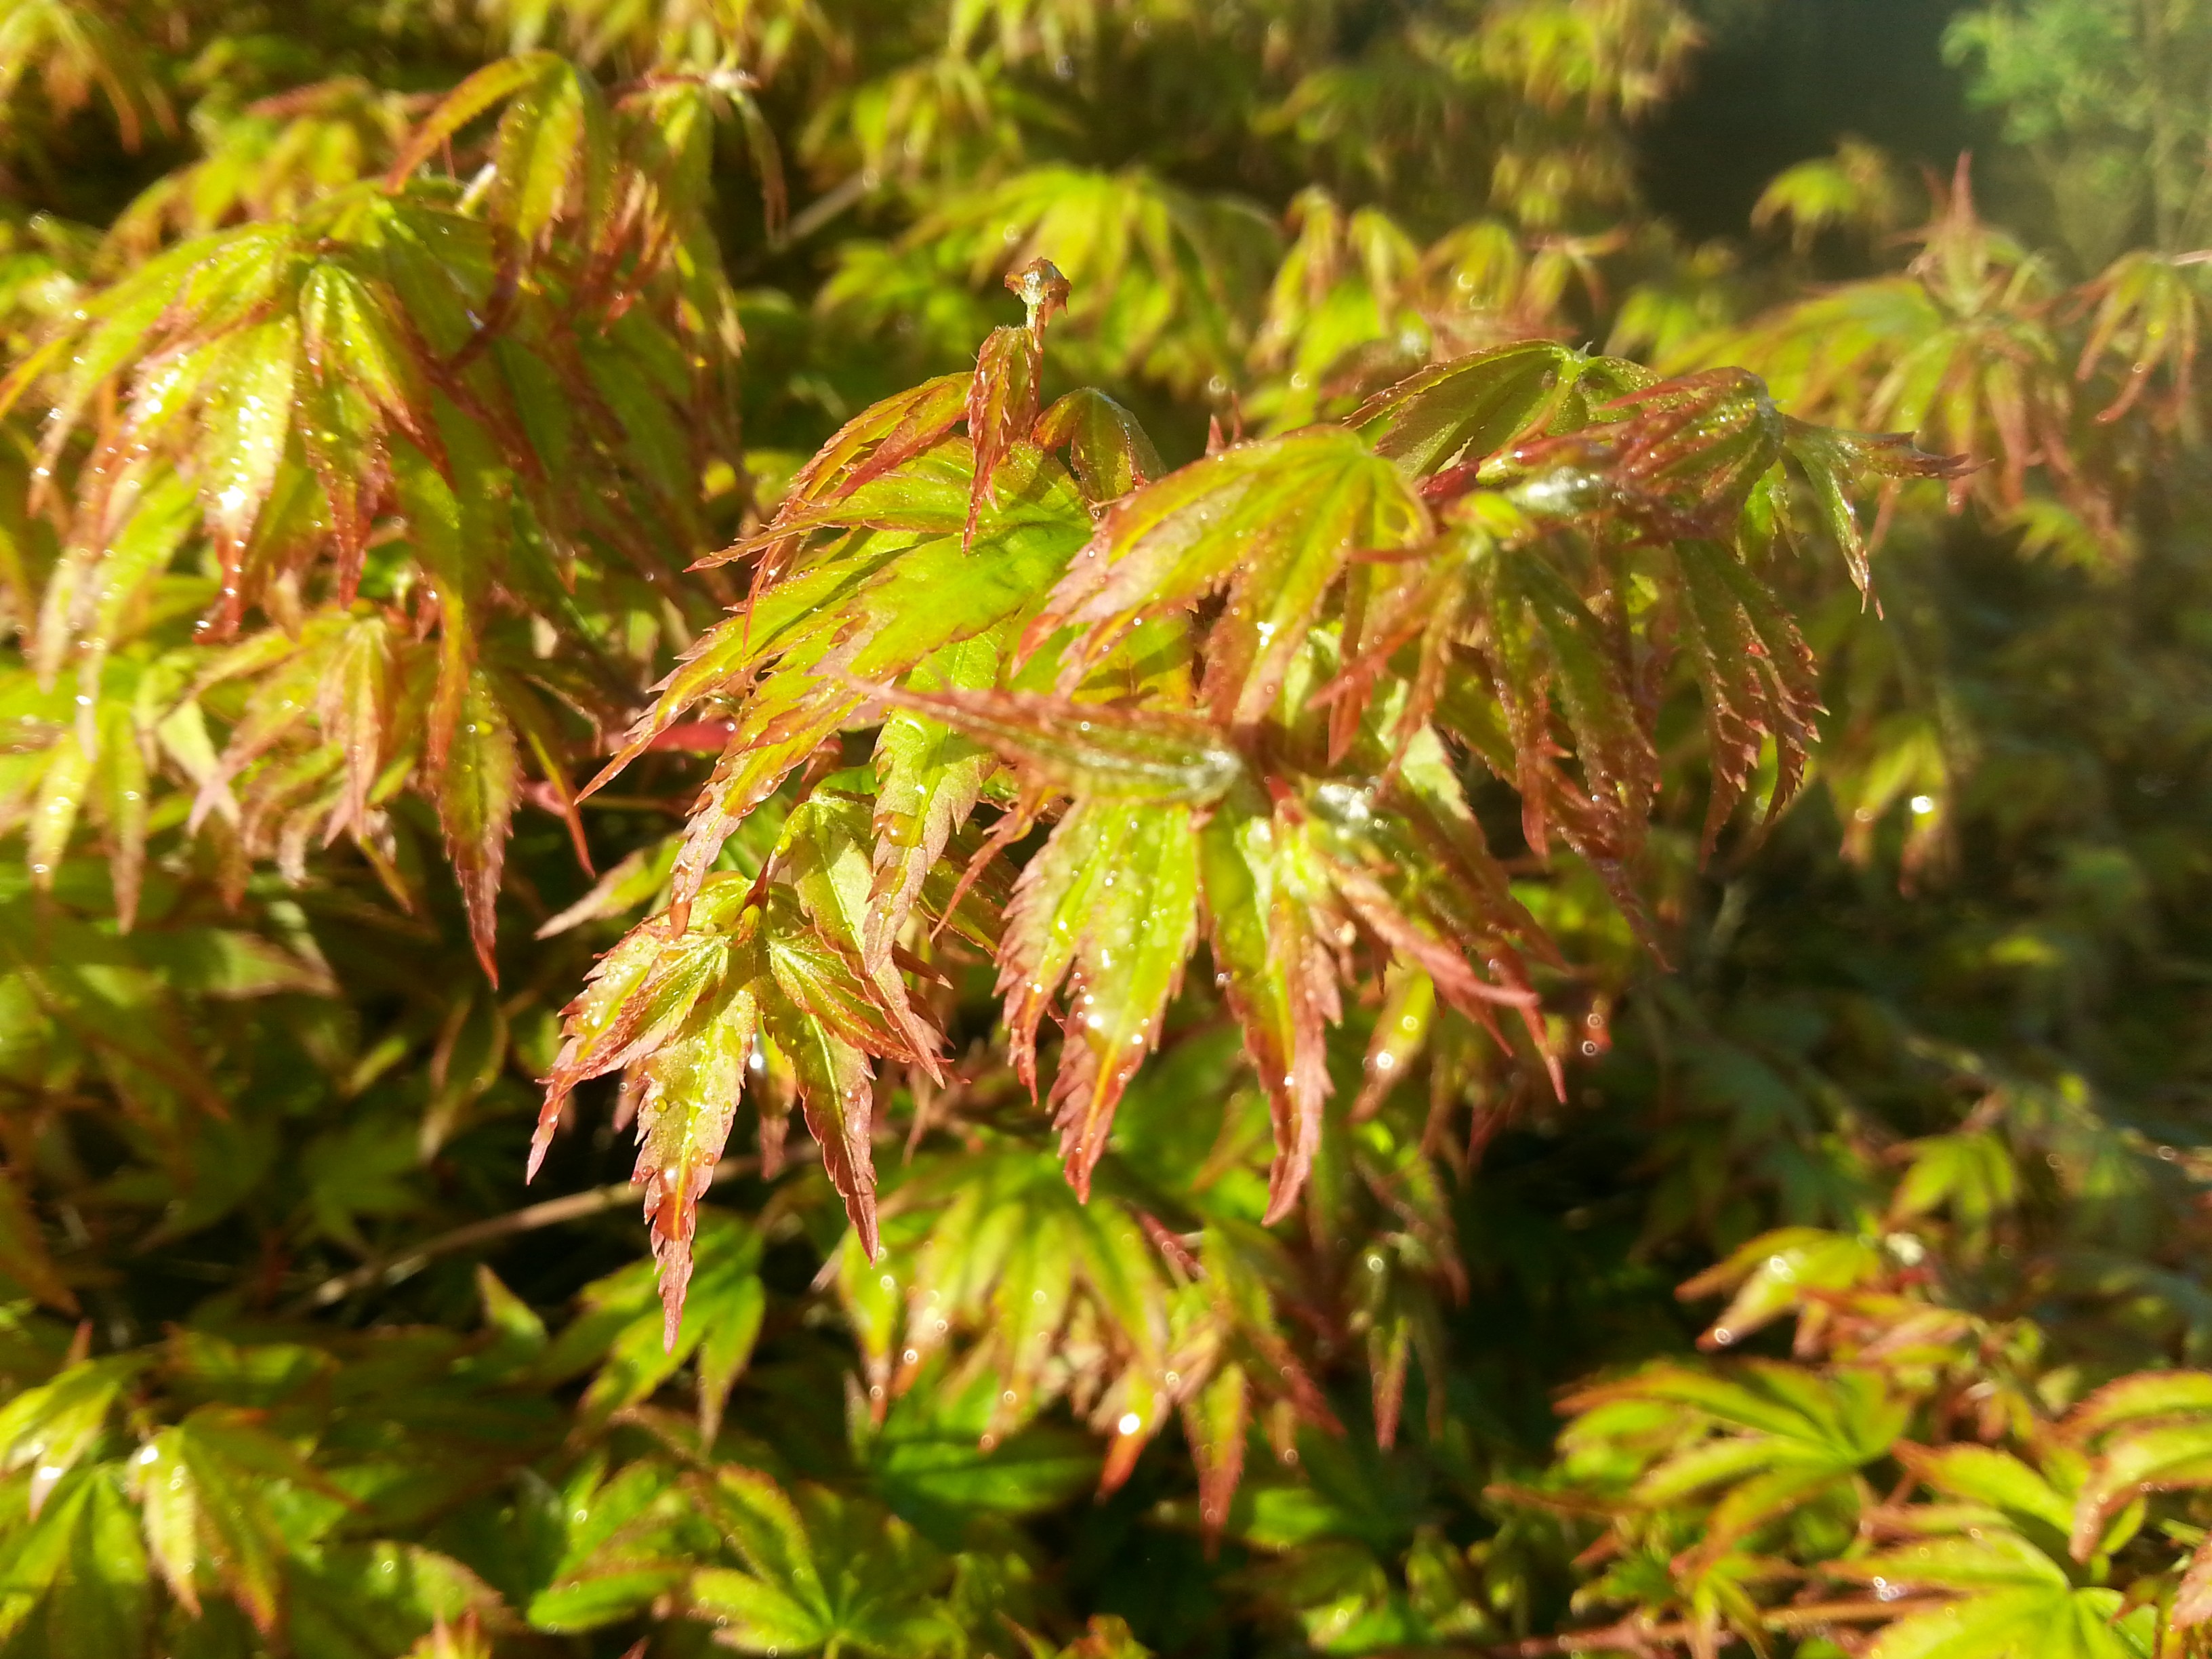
column 810, row 218
column 827, row 206
column 593, row 1201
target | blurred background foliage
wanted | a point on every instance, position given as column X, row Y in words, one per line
column 360, row 434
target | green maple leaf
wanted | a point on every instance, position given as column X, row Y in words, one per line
column 819, row 1572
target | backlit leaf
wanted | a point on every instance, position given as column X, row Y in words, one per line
column 478, row 784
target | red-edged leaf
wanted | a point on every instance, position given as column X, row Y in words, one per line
column 64, row 780
column 1108, row 449
column 826, row 855
column 244, row 424
column 641, row 993
column 1402, row 1030
column 345, row 447
column 1473, row 406
column 1111, row 899
column 123, row 795
column 1757, row 673
column 492, row 84
column 535, row 723
column 823, row 1005
column 1215, row 1420
column 928, row 778
column 1833, row 463
column 1430, row 892
column 872, row 443
column 354, row 706
column 551, row 160
column 691, row 1098
column 769, row 744
column 1278, row 975
column 1002, row 407
column 1273, row 522
column 478, row 784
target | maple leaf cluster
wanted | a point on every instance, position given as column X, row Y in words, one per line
column 1240, row 692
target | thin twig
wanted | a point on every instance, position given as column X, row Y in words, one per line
column 827, row 206
column 1634, row 1635
column 594, row 1200
column 810, row 218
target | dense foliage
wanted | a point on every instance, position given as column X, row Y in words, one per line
column 1488, row 925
